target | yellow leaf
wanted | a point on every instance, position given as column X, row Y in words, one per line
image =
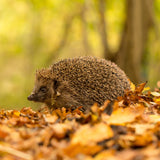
column 146, row 89
column 125, row 115
column 73, row 149
column 140, row 129
column 157, row 100
column 91, row 135
column 132, row 86
column 156, row 94
column 154, row 118
column 16, row 113
column 105, row 154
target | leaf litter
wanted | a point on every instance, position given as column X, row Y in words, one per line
column 130, row 132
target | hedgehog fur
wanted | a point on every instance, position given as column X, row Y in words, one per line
column 80, row 81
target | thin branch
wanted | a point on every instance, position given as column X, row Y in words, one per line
column 54, row 54
column 103, row 34
column 84, row 28
column 149, row 7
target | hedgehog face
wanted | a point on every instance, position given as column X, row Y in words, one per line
column 44, row 91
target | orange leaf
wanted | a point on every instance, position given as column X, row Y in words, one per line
column 125, row 115
column 75, row 149
column 140, row 87
column 90, row 135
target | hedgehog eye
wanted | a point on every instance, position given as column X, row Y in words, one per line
column 43, row 89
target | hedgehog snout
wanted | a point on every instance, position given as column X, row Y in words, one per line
column 31, row 97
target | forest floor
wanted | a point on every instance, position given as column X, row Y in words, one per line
column 131, row 132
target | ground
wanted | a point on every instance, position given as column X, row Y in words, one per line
column 131, row 132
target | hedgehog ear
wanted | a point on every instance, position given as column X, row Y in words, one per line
column 55, row 86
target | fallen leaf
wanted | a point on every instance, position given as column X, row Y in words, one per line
column 88, row 134
column 156, row 94
column 125, row 115
column 74, row 149
column 141, row 129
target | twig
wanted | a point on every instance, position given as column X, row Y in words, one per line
column 15, row 152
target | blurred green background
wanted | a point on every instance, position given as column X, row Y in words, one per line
column 35, row 33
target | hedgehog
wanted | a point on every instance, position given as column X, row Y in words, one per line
column 79, row 82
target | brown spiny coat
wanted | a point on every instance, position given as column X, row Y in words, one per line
column 78, row 82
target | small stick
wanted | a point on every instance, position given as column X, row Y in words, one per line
column 15, row 152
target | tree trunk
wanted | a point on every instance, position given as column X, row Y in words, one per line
column 139, row 19
column 134, row 38
column 102, row 30
column 85, row 41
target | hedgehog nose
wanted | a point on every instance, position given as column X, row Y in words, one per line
column 31, row 97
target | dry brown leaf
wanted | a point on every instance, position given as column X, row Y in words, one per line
column 107, row 154
column 141, row 129
column 126, row 115
column 60, row 130
column 88, row 134
column 143, row 140
column 74, row 149
column 50, row 118
column 154, row 118
column 131, row 132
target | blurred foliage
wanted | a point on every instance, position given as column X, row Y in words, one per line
column 34, row 33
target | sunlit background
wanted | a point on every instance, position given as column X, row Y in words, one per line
column 35, row 33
